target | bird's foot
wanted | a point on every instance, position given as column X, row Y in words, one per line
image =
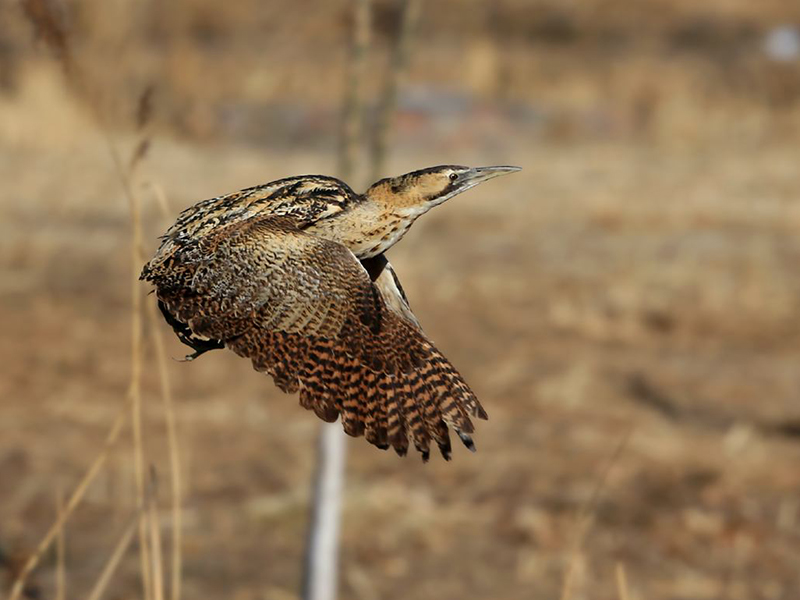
column 199, row 351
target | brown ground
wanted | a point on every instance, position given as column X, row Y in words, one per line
column 626, row 308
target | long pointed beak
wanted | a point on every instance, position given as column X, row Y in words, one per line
column 481, row 174
column 468, row 179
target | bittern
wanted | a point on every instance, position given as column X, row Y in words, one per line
column 293, row 275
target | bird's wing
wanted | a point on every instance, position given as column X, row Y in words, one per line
column 305, row 311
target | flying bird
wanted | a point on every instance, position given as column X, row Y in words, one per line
column 293, row 275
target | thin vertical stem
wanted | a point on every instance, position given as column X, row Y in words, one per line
column 61, row 580
column 51, row 29
column 622, row 581
column 116, row 556
column 320, row 581
column 320, row 570
column 586, row 515
column 155, row 539
column 387, row 106
column 352, row 127
column 174, row 458
column 136, row 354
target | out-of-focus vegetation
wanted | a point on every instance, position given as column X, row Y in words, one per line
column 637, row 281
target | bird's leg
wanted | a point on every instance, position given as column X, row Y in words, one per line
column 185, row 335
column 374, row 265
column 199, row 346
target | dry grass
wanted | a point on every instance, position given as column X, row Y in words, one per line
column 45, row 22
column 643, row 262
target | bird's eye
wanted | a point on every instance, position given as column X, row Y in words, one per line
column 453, row 176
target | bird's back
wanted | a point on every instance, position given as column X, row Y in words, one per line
column 304, row 199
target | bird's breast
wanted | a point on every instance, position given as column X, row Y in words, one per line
column 386, row 237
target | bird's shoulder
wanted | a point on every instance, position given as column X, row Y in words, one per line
column 303, row 199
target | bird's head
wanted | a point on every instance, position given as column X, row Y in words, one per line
column 417, row 192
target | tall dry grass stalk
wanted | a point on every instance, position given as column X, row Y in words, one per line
column 73, row 502
column 61, row 577
column 136, row 365
column 101, row 584
column 142, row 119
column 161, row 198
column 587, row 513
column 48, row 27
column 622, row 581
column 126, row 173
column 115, row 557
column 155, row 539
column 174, row 456
column 176, row 574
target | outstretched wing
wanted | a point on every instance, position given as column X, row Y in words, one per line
column 306, row 311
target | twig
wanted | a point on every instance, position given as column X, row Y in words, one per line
column 409, row 17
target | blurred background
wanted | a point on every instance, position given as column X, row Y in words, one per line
column 626, row 307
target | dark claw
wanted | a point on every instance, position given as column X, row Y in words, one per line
column 190, row 357
column 199, row 351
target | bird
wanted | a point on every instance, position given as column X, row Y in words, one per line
column 293, row 275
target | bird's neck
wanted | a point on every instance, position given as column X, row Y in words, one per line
column 369, row 227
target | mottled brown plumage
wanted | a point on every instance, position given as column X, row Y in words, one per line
column 292, row 275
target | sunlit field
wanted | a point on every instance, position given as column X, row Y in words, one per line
column 627, row 308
